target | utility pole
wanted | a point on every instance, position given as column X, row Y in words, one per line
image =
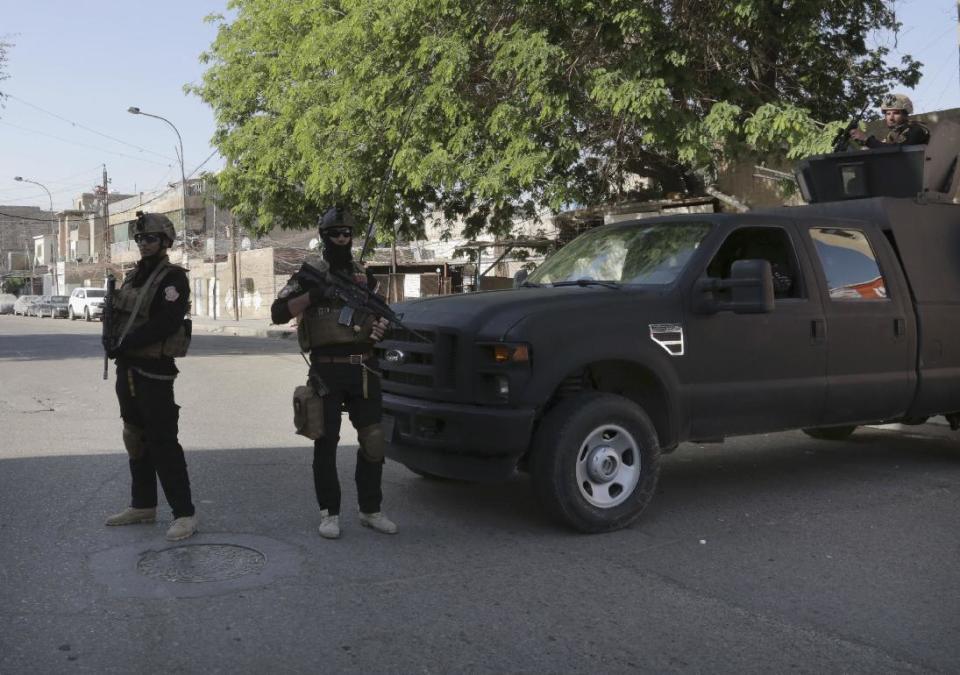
column 106, row 219
column 215, row 289
column 235, row 227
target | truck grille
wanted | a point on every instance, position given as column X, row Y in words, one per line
column 413, row 367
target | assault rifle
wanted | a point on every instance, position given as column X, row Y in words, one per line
column 841, row 143
column 106, row 337
column 358, row 298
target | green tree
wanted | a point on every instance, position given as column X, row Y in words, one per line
column 487, row 109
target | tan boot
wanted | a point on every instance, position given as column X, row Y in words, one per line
column 132, row 516
column 182, row 528
column 329, row 525
column 379, row 522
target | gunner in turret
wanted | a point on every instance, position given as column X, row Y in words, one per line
column 896, row 110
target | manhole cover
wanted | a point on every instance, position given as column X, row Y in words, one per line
column 195, row 563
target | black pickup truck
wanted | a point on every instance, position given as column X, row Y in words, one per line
column 641, row 335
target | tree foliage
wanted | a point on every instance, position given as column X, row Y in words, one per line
column 489, row 108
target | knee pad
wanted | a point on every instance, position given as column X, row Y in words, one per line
column 133, row 440
column 372, row 443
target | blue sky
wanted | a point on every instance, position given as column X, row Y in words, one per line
column 88, row 61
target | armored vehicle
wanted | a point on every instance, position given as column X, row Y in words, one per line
column 638, row 336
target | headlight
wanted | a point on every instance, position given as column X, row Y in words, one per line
column 510, row 353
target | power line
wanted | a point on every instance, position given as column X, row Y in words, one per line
column 134, row 208
column 86, row 128
column 83, row 145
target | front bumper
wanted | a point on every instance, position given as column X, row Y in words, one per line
column 469, row 442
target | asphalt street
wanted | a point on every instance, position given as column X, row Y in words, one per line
column 768, row 554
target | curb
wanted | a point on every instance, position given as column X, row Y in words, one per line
column 267, row 331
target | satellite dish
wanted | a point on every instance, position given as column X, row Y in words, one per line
column 314, row 244
column 245, row 244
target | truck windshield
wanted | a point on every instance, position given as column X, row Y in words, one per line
column 653, row 254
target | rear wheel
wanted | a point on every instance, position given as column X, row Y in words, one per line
column 596, row 461
column 831, row 433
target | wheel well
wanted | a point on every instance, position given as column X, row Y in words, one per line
column 629, row 380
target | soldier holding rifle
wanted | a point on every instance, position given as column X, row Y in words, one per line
column 332, row 298
column 144, row 331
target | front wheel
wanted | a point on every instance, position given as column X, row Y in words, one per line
column 595, row 462
column 70, row 314
column 831, row 433
column 86, row 313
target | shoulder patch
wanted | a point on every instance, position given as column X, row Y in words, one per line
column 291, row 287
column 170, row 294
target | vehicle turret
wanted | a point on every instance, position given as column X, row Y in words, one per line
column 908, row 171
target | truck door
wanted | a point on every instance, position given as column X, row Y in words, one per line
column 750, row 373
column 871, row 345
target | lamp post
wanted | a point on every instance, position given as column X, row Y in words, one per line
column 133, row 110
column 53, row 231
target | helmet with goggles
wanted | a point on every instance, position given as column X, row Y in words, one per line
column 152, row 223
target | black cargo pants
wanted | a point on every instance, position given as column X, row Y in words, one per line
column 150, row 418
column 345, row 382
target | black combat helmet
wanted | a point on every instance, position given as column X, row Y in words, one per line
column 337, row 216
column 152, row 223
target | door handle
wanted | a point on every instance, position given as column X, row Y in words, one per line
column 818, row 330
column 899, row 327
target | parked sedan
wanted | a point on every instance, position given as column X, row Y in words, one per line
column 37, row 305
column 24, row 304
column 53, row 306
column 7, row 300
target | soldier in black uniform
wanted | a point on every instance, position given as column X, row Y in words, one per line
column 148, row 332
column 896, row 110
column 340, row 343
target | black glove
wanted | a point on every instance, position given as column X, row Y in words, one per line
column 116, row 350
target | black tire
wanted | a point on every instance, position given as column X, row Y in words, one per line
column 71, row 315
column 831, row 433
column 587, row 431
column 86, row 314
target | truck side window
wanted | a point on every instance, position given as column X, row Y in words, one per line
column 761, row 243
column 849, row 264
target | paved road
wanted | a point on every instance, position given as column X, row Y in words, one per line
column 769, row 554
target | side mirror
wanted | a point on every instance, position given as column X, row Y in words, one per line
column 520, row 277
column 750, row 285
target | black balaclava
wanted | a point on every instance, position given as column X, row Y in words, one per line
column 147, row 264
column 339, row 256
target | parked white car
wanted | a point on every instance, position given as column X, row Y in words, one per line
column 86, row 302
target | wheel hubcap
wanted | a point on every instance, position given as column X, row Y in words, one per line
column 608, row 466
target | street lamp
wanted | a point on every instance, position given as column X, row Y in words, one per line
column 53, row 230
column 133, row 110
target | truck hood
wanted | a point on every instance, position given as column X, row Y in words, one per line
column 491, row 314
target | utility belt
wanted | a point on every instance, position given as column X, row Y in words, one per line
column 355, row 359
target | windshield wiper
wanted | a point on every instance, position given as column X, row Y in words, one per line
column 531, row 284
column 588, row 282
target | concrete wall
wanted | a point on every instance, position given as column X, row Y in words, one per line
column 255, row 280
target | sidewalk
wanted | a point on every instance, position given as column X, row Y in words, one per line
column 243, row 327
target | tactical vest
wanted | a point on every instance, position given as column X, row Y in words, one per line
column 899, row 134
column 322, row 325
column 125, row 306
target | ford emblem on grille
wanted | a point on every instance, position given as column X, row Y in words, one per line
column 395, row 356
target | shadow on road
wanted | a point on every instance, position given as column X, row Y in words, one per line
column 56, row 346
